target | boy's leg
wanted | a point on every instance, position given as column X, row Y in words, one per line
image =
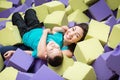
column 31, row 19
column 19, row 22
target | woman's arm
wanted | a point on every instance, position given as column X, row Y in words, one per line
column 42, row 46
column 60, row 29
column 68, row 53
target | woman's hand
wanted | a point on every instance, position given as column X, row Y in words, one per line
column 47, row 31
column 8, row 54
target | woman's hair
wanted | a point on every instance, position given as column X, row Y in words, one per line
column 85, row 27
column 56, row 61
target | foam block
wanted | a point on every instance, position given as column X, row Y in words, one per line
column 45, row 73
column 76, row 4
column 41, row 12
column 61, row 69
column 90, row 2
column 68, row 10
column 118, row 21
column 78, row 17
column 97, row 12
column 1, row 62
column 107, row 48
column 24, row 76
column 118, row 13
column 5, row 5
column 57, row 18
column 2, row 24
column 98, row 30
column 88, row 50
column 37, row 63
column 71, row 24
column 114, row 40
column 101, row 69
column 113, row 4
column 9, row 73
column 39, row 2
column 20, row 60
column 65, row 2
column 9, row 35
column 7, row 12
column 29, row 3
column 113, row 60
column 15, row 2
column 79, row 71
column 54, row 6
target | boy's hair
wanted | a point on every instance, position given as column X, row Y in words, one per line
column 56, row 61
column 85, row 28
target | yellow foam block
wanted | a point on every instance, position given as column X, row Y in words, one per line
column 9, row 35
column 66, row 63
column 22, row 1
column 78, row 4
column 90, row 2
column 98, row 30
column 2, row 19
column 113, row 4
column 68, row 10
column 54, row 6
column 88, row 50
column 78, row 17
column 57, row 18
column 9, row 73
column 118, row 13
column 5, row 5
column 41, row 11
column 79, row 71
column 1, row 62
column 114, row 38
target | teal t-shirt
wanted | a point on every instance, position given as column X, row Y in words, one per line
column 32, row 38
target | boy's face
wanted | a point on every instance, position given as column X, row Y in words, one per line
column 73, row 34
column 53, row 49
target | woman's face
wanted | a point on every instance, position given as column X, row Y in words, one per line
column 73, row 35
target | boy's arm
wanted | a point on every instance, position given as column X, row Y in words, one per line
column 60, row 29
column 42, row 46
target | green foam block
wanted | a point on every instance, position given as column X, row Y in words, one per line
column 118, row 13
column 5, row 5
column 1, row 62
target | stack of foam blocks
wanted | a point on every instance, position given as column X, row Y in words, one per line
column 95, row 58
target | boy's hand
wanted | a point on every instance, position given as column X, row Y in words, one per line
column 47, row 30
column 8, row 54
column 65, row 28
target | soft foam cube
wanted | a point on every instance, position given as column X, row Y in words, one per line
column 1, row 62
column 98, row 30
column 79, row 71
column 118, row 13
column 114, row 40
column 78, row 4
column 90, row 2
column 5, row 5
column 9, row 35
column 113, row 4
column 107, row 48
column 45, row 73
column 113, row 60
column 9, row 73
column 41, row 11
column 68, row 10
column 88, row 50
column 66, row 63
column 20, row 60
column 54, row 6
column 24, row 76
column 57, row 18
column 78, row 17
column 101, row 69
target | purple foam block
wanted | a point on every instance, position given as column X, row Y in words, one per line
column 65, row 2
column 21, row 8
column 29, row 3
column 39, row 2
column 6, row 13
column 113, row 60
column 45, row 73
column 71, row 24
column 111, row 21
column 107, row 48
column 37, row 65
column 20, row 60
column 100, row 10
column 24, row 76
column 15, row 2
column 118, row 21
column 3, row 24
column 101, row 69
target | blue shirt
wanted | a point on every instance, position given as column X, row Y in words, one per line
column 32, row 38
